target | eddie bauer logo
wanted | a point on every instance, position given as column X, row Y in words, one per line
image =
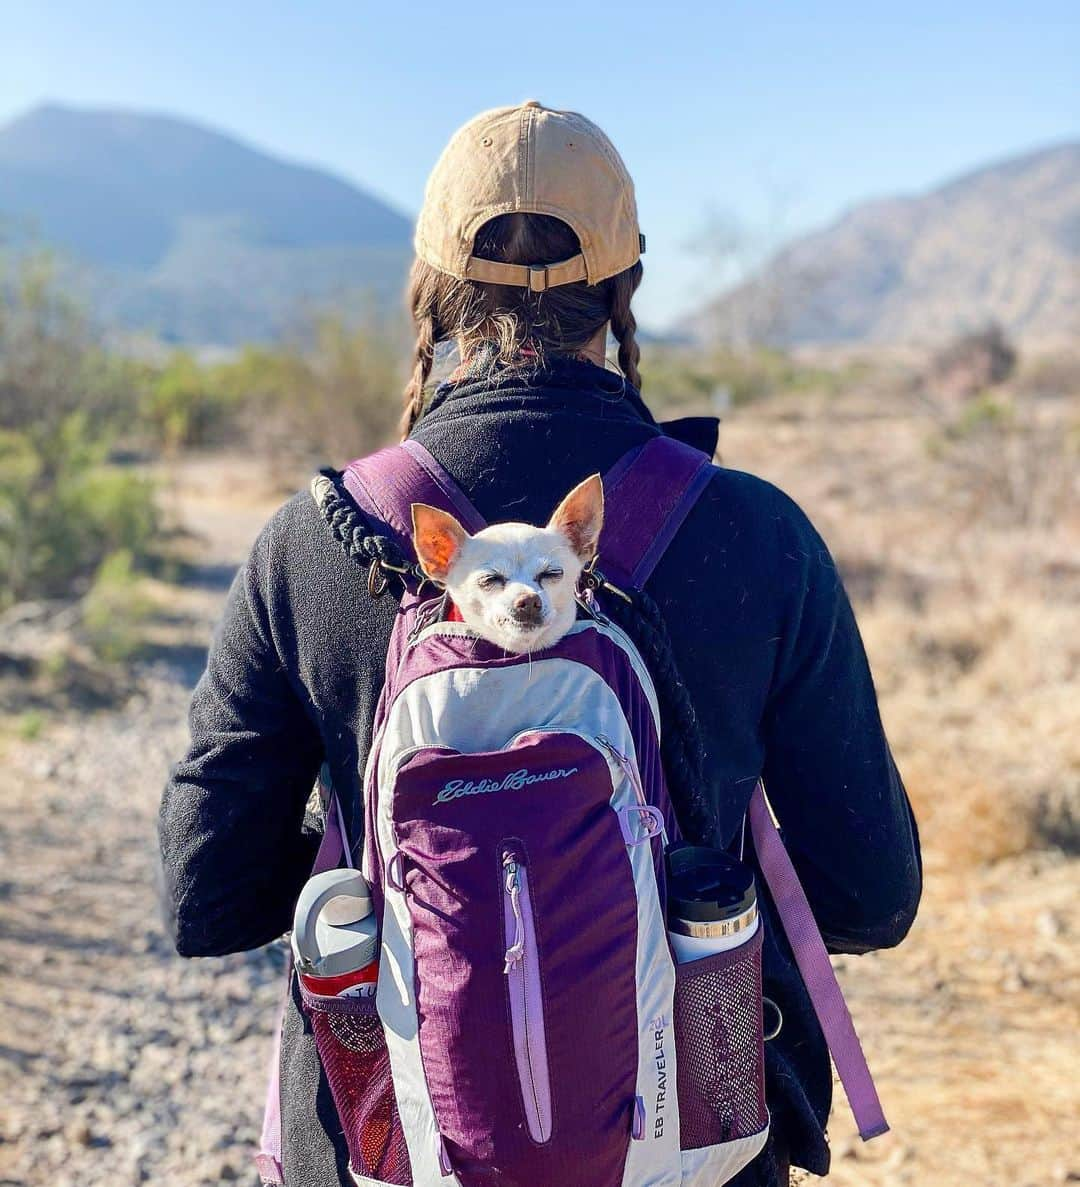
column 515, row 781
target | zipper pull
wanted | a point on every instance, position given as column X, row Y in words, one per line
column 445, row 1167
column 628, row 768
column 516, row 952
column 637, row 1125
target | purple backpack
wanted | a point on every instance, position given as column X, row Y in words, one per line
column 530, row 1026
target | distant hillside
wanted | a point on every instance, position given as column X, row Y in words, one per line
column 175, row 229
column 1000, row 244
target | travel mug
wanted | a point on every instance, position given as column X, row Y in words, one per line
column 712, row 902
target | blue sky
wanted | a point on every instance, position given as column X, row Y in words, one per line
column 775, row 117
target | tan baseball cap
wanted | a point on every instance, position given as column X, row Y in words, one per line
column 532, row 159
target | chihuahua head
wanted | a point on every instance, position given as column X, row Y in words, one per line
column 513, row 583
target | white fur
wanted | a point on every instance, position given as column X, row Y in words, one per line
column 513, row 583
column 520, row 553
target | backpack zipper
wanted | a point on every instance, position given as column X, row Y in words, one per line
column 521, row 966
column 642, row 821
column 628, row 768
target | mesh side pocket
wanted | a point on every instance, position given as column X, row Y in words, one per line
column 352, row 1049
column 720, row 1047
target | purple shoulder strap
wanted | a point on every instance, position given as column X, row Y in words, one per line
column 387, row 483
column 817, row 971
column 647, row 495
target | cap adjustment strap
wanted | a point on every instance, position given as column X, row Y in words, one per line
column 536, row 277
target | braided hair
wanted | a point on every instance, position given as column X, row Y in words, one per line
column 422, row 307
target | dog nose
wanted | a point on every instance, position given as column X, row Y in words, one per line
column 526, row 607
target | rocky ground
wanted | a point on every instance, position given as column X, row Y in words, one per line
column 122, row 1064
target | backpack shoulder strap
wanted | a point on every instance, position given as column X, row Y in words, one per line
column 817, row 971
column 648, row 494
column 386, row 484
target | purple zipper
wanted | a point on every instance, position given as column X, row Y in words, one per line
column 522, row 968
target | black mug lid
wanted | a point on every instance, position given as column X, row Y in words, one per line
column 705, row 885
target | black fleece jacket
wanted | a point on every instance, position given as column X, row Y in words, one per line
column 764, row 639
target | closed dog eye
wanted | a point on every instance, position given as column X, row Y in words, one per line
column 552, row 574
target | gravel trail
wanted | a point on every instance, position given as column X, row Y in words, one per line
column 120, row 1062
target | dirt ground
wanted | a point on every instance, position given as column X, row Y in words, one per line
column 122, row 1064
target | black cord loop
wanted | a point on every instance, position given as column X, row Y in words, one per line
column 380, row 555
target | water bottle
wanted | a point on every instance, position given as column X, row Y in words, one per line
column 712, row 902
column 335, row 938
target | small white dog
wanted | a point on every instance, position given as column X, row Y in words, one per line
column 513, row 583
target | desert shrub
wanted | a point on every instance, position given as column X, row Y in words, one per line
column 332, row 391
column 51, row 366
column 187, row 405
column 30, row 725
column 984, row 412
column 115, row 609
column 336, row 393
column 63, row 506
column 973, row 362
column 1051, row 376
column 1057, row 815
column 1008, row 460
column 680, row 379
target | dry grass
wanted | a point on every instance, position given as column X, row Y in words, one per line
column 959, row 535
column 967, row 590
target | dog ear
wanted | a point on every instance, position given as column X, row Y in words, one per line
column 580, row 516
column 437, row 538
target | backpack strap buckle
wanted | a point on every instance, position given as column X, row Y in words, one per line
column 592, row 580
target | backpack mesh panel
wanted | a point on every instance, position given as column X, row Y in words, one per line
column 352, row 1049
column 719, row 1047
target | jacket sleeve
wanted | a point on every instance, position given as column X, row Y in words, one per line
column 829, row 774
column 233, row 848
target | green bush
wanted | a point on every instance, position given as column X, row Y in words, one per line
column 63, row 509
column 115, row 609
column 63, row 405
column 30, row 724
column 337, row 390
column 983, row 412
column 682, row 379
column 187, row 404
column 337, row 395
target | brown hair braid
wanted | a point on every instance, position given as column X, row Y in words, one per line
column 624, row 329
column 559, row 320
column 421, row 301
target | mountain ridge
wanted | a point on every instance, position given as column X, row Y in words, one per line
column 171, row 227
column 999, row 243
